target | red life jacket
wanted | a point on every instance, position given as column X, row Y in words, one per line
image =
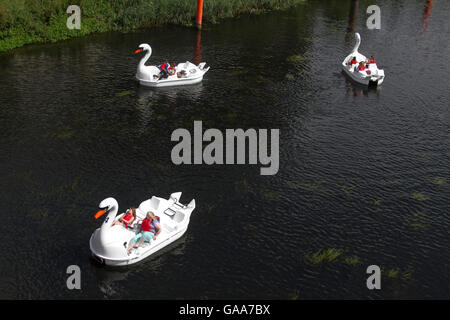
column 127, row 219
column 372, row 61
column 171, row 70
column 354, row 62
column 362, row 68
column 149, row 225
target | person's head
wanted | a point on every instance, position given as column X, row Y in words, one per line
column 173, row 65
column 133, row 212
column 150, row 215
column 372, row 58
column 361, row 63
column 354, row 59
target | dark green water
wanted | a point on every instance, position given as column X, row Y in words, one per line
column 364, row 172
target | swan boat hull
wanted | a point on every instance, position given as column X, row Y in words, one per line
column 374, row 77
column 108, row 244
column 169, row 82
column 194, row 74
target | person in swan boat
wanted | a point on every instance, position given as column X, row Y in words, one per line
column 127, row 219
column 172, row 69
column 353, row 61
column 361, row 66
column 371, row 60
column 150, row 229
column 163, row 71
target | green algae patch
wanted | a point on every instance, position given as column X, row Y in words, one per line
column 123, row 93
column 289, row 77
column 439, row 181
column 309, row 186
column 407, row 274
column 417, row 220
column 393, row 273
column 295, row 59
column 321, row 256
column 353, row 260
column 348, row 190
column 294, row 296
column 419, row 196
column 377, row 202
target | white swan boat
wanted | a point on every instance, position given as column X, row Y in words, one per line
column 109, row 244
column 369, row 76
column 145, row 74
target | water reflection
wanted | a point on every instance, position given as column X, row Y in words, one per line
column 198, row 49
column 426, row 14
column 110, row 278
column 358, row 90
column 352, row 17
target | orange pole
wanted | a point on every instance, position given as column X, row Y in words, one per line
column 198, row 20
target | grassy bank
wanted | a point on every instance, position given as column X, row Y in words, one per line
column 38, row 21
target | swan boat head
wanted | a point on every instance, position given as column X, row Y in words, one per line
column 145, row 72
column 144, row 47
column 105, row 237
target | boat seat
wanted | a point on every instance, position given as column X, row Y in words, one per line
column 149, row 205
column 140, row 215
column 168, row 227
column 173, row 209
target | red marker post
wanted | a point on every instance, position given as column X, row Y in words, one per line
column 198, row 20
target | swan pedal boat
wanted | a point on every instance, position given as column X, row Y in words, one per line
column 109, row 244
column 194, row 73
column 376, row 76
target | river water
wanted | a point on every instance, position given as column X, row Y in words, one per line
column 364, row 174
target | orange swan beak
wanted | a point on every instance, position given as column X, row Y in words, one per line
column 99, row 214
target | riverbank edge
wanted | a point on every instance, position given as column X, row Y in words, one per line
column 54, row 28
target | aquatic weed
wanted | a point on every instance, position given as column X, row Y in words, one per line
column 123, row 93
column 351, row 260
column 417, row 220
column 289, row 77
column 393, row 273
column 328, row 255
column 295, row 59
column 347, row 189
column 439, row 181
column 419, row 196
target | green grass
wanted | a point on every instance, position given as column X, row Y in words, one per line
column 30, row 21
